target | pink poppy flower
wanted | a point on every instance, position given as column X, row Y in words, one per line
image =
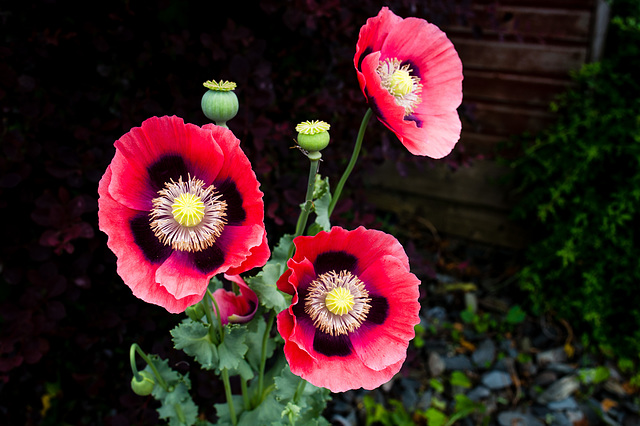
column 353, row 311
column 236, row 308
column 411, row 76
column 180, row 204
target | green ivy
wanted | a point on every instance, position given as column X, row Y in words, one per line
column 579, row 188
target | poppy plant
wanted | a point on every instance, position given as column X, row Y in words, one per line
column 180, row 204
column 411, row 76
column 236, row 308
column 353, row 310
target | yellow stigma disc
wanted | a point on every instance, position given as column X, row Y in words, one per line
column 401, row 82
column 339, row 301
column 188, row 209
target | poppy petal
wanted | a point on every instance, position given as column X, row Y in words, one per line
column 379, row 345
column 133, row 265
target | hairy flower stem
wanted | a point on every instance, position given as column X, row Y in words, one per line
column 132, row 358
column 299, row 390
column 245, row 394
column 225, row 372
column 352, row 161
column 306, row 207
column 227, row 392
column 263, row 355
column 209, row 314
column 219, row 320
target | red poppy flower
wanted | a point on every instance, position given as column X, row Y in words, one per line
column 353, row 311
column 236, row 308
column 180, row 204
column 411, row 76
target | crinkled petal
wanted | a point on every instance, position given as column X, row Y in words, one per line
column 162, row 148
column 371, row 38
column 349, row 373
column 432, row 58
column 136, row 270
column 236, row 308
column 179, row 277
column 380, row 345
column 378, row 243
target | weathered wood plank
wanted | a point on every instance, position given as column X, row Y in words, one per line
column 475, row 223
column 477, row 185
column 509, row 88
column 505, row 120
column 476, row 144
column 519, row 57
column 543, row 24
column 564, row 4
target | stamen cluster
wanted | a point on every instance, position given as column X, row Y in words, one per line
column 187, row 216
column 398, row 81
column 349, row 314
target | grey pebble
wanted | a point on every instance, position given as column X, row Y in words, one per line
column 496, row 380
column 484, row 354
column 552, row 356
column 458, row 362
column 564, row 404
column 559, row 390
column 514, row 418
column 478, row 393
column 436, row 364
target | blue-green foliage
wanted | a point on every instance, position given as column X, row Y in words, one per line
column 579, row 183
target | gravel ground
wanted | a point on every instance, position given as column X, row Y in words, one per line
column 480, row 359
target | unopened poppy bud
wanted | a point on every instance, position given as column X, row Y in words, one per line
column 143, row 386
column 195, row 312
column 219, row 103
column 313, row 135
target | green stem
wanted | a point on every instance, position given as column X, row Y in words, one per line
column 263, row 354
column 352, row 161
column 227, row 392
column 245, row 394
column 132, row 358
column 209, row 318
column 209, row 314
column 299, row 390
column 308, row 202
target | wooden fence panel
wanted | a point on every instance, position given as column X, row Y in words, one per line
column 516, row 56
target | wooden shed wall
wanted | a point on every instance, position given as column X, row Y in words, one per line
column 516, row 56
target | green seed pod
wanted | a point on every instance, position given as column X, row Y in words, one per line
column 313, row 136
column 220, row 103
column 144, row 386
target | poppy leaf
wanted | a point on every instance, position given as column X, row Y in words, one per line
column 193, row 338
column 233, row 348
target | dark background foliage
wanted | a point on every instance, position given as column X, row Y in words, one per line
column 580, row 195
column 74, row 78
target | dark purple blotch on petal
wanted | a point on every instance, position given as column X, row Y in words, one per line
column 298, row 308
column 230, row 194
column 335, row 261
column 379, row 310
column 413, row 66
column 371, row 101
column 150, row 246
column 208, row 259
column 329, row 345
column 168, row 167
column 415, row 119
column 364, row 54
